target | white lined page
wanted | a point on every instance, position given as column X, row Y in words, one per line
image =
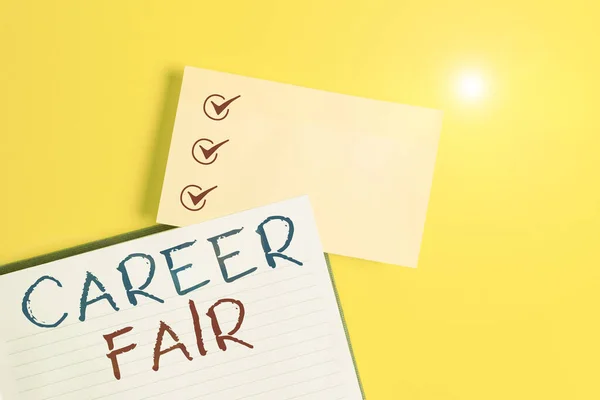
column 291, row 320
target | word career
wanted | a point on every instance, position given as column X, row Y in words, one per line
column 273, row 247
column 164, row 328
column 269, row 252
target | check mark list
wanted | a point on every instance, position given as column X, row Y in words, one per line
column 220, row 108
column 198, row 198
column 210, row 151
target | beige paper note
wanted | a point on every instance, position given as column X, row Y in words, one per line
column 366, row 165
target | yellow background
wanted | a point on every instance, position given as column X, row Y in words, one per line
column 504, row 304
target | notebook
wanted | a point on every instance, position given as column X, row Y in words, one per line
column 367, row 165
column 240, row 307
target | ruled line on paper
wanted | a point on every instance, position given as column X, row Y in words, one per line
column 109, row 381
column 244, row 370
column 182, row 336
column 88, row 386
column 85, row 347
column 312, row 392
column 211, row 339
column 241, row 384
column 208, row 340
column 96, row 318
column 286, row 386
column 172, row 310
column 171, row 390
column 150, row 303
column 290, row 335
column 184, row 360
column 259, row 340
column 273, row 389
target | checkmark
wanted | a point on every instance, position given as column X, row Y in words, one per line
column 210, row 151
column 198, row 198
column 220, row 108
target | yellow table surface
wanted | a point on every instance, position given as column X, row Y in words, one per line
column 505, row 301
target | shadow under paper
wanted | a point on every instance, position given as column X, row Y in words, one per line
column 154, row 179
column 162, row 142
column 84, row 248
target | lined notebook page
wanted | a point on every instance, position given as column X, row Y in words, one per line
column 232, row 326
